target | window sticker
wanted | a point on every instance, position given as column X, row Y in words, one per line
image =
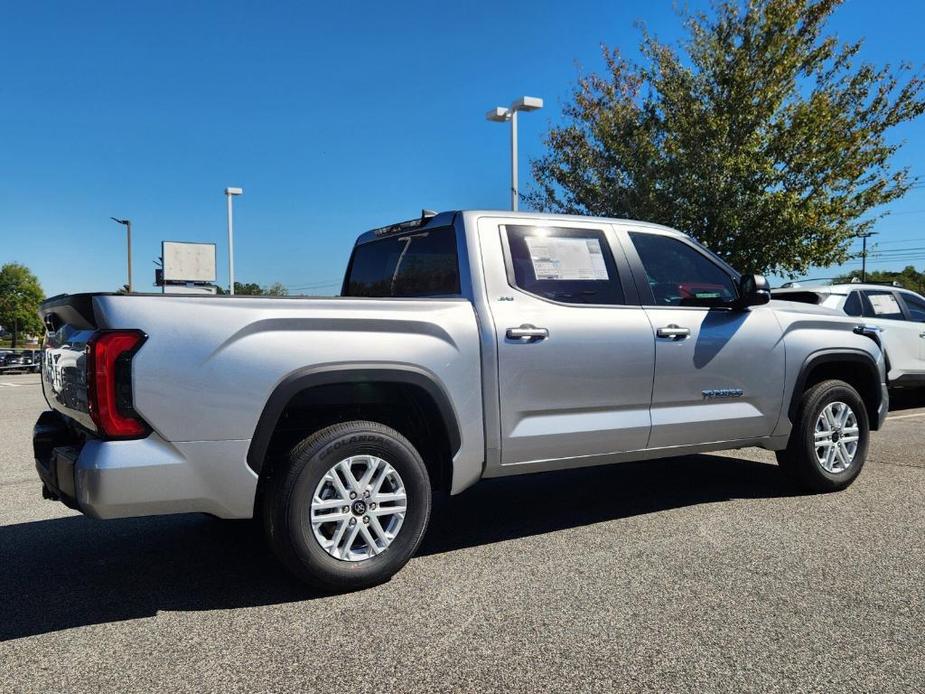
column 558, row 258
column 884, row 304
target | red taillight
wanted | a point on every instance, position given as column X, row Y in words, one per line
column 109, row 383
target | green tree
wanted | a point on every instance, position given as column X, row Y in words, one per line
column 759, row 135
column 20, row 296
column 908, row 277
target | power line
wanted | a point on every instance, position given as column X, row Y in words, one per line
column 917, row 254
column 895, row 251
column 918, row 240
column 894, row 214
column 319, row 283
column 314, row 287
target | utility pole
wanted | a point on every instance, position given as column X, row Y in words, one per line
column 864, row 235
column 127, row 223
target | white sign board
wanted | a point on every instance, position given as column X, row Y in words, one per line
column 189, row 289
column 188, row 262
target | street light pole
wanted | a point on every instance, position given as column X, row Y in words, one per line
column 515, row 194
column 229, row 194
column 864, row 236
column 127, row 223
column 500, row 114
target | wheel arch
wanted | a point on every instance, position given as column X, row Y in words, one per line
column 303, row 383
column 855, row 367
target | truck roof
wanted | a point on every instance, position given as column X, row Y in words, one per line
column 431, row 219
column 842, row 288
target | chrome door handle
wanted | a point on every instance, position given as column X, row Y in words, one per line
column 527, row 331
column 673, row 332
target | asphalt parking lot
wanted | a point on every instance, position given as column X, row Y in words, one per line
column 703, row 573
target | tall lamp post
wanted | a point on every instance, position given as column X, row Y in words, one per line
column 864, row 236
column 128, row 228
column 499, row 114
column 229, row 194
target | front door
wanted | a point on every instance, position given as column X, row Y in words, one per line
column 719, row 373
column 575, row 362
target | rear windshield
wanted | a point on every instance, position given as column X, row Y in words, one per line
column 419, row 264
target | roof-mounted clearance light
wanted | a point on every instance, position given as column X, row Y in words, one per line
column 426, row 216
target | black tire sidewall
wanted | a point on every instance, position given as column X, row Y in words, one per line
column 816, row 400
column 313, row 463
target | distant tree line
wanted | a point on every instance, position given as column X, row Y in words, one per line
column 254, row 289
column 908, row 277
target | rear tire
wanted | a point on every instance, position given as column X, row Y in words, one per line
column 828, row 443
column 320, row 510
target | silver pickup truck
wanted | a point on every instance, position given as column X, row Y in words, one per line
column 464, row 345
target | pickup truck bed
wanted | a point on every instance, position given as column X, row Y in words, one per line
column 203, row 385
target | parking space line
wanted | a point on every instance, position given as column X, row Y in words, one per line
column 11, row 385
column 905, row 416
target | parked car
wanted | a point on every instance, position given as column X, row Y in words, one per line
column 464, row 345
column 898, row 312
column 25, row 360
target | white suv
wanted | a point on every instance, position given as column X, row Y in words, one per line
column 898, row 312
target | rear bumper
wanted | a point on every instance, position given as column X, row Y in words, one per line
column 56, row 451
column 150, row 476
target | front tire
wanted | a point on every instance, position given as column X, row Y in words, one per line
column 348, row 507
column 828, row 444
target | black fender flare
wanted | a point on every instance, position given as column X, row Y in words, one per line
column 310, row 377
column 858, row 358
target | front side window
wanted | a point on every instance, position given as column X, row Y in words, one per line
column 421, row 264
column 916, row 306
column 679, row 275
column 573, row 266
column 883, row 304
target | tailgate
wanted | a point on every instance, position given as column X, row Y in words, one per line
column 69, row 325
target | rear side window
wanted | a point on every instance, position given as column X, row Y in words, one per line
column 679, row 275
column 574, row 266
column 883, row 305
column 853, row 304
column 421, row 264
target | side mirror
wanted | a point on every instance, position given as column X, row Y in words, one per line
column 754, row 290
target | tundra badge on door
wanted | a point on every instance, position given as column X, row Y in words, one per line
column 715, row 393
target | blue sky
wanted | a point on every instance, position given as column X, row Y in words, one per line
column 334, row 119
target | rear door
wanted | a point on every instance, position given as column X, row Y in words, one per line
column 575, row 355
column 719, row 373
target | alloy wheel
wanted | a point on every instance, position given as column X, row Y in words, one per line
column 358, row 508
column 836, row 437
